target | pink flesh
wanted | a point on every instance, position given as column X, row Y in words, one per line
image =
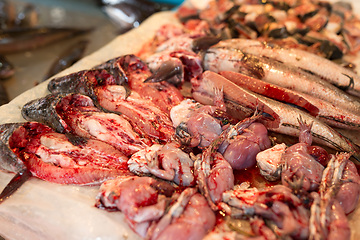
column 196, row 220
column 221, row 178
column 149, row 119
column 161, row 94
column 242, row 150
column 78, row 110
column 91, row 162
column 349, row 192
column 80, row 175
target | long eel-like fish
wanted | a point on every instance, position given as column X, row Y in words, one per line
column 284, row 118
column 325, row 68
column 23, row 39
column 225, row 57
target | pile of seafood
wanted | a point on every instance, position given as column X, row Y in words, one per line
column 329, row 29
column 186, row 136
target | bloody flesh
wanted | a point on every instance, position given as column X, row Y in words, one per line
column 251, row 175
column 85, row 164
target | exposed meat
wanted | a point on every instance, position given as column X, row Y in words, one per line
column 189, row 218
column 328, row 219
column 164, row 33
column 88, row 121
column 164, row 161
column 270, row 162
column 9, row 162
column 190, row 64
column 214, row 171
column 77, row 114
column 102, row 85
column 277, row 205
column 339, row 226
column 56, row 158
column 220, row 178
column 139, row 198
column 162, row 94
column 210, row 145
column 349, row 192
column 149, row 119
column 204, row 128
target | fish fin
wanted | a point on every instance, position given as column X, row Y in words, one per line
column 351, row 84
column 15, row 183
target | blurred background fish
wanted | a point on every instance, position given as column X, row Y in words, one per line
column 127, row 14
column 70, row 56
column 4, row 98
column 39, row 38
column 6, row 68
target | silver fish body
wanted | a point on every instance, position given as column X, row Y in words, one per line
column 284, row 118
column 228, row 58
column 325, row 68
column 323, row 110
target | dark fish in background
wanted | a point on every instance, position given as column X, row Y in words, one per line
column 4, row 98
column 24, row 39
column 70, row 56
column 128, row 14
column 6, row 68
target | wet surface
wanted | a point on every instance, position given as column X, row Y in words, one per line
column 31, row 66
